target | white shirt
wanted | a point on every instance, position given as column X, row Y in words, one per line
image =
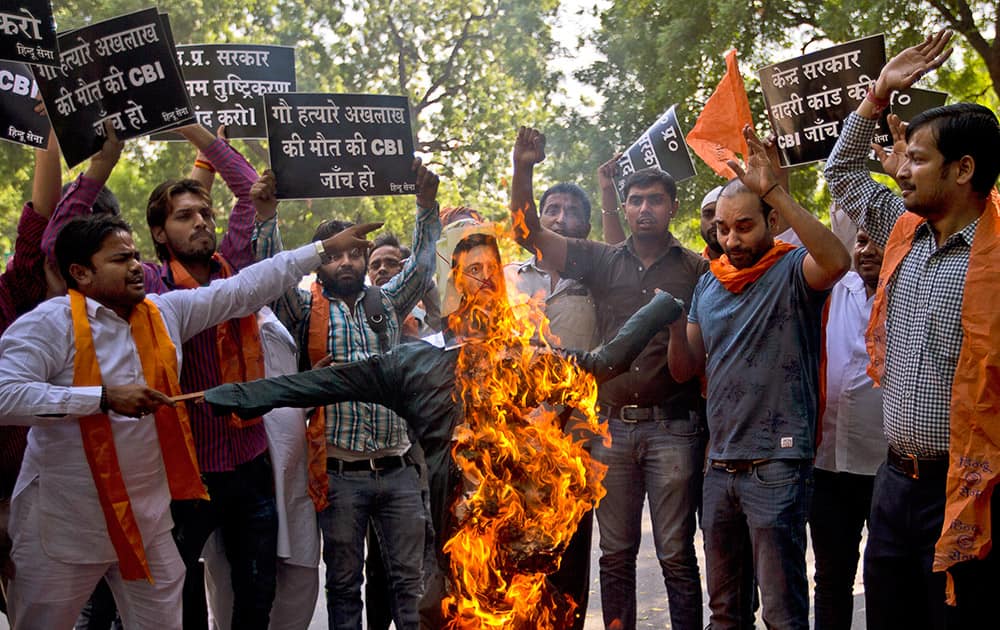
column 286, row 440
column 36, row 378
column 851, row 428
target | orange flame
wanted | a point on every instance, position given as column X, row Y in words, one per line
column 527, row 483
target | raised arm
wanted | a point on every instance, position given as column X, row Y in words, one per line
column 407, row 287
column 611, row 223
column 827, row 260
column 529, row 149
column 46, row 187
column 871, row 205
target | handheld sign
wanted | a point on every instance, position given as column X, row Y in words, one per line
column 121, row 70
column 17, row 107
column 906, row 105
column 340, row 145
column 661, row 146
column 808, row 98
column 226, row 81
column 28, row 32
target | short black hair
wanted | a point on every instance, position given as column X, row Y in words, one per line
column 471, row 242
column 106, row 202
column 649, row 176
column 328, row 228
column 81, row 238
column 388, row 239
column 568, row 188
column 965, row 129
column 736, row 187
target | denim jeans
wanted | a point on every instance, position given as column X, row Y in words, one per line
column 840, row 509
column 766, row 506
column 391, row 501
column 243, row 505
column 661, row 459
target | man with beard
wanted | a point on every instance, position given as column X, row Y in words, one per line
column 933, row 347
column 95, row 374
column 757, row 315
column 360, row 467
column 232, row 453
column 417, row 380
column 708, row 231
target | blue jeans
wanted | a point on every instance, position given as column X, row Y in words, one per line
column 390, row 500
column 767, row 507
column 661, row 459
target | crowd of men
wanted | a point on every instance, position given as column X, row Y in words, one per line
column 203, row 429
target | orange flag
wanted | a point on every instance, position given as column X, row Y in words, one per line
column 718, row 134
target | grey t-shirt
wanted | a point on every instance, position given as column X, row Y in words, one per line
column 763, row 349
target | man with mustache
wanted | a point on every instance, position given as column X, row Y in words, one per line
column 933, row 346
column 93, row 373
column 655, row 421
column 232, row 453
column 360, row 468
column 757, row 317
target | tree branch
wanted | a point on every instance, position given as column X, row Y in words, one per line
column 449, row 65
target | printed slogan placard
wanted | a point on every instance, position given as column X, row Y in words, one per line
column 340, row 145
column 808, row 98
column 21, row 124
column 662, row 146
column 225, row 83
column 121, row 70
column 906, row 105
column 28, row 32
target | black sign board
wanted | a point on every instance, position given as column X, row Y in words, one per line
column 340, row 145
column 122, row 70
column 808, row 98
column 28, row 32
column 17, row 107
column 662, row 146
column 906, row 105
column 226, row 81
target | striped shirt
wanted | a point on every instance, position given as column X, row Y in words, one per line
column 22, row 287
column 220, row 446
column 358, row 430
column 924, row 319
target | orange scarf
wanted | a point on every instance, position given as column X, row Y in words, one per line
column 158, row 356
column 241, row 358
column 974, row 451
column 737, row 280
column 319, row 333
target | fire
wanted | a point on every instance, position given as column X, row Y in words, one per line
column 526, row 482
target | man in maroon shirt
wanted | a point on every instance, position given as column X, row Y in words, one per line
column 232, row 455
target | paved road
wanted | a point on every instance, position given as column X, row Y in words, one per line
column 652, row 599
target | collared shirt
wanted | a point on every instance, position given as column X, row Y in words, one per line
column 22, row 287
column 37, row 356
column 851, row 437
column 220, row 445
column 620, row 284
column 924, row 317
column 360, row 430
column 569, row 307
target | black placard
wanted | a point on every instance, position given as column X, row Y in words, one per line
column 808, row 98
column 28, row 32
column 122, row 70
column 906, row 105
column 661, row 146
column 225, row 83
column 340, row 145
column 17, row 107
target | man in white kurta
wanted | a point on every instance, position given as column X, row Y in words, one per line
column 61, row 546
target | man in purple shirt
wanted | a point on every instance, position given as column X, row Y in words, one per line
column 232, row 456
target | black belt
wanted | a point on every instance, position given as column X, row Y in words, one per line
column 736, row 465
column 390, row 462
column 917, row 467
column 644, row 413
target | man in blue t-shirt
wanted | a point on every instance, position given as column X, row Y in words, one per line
column 757, row 318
